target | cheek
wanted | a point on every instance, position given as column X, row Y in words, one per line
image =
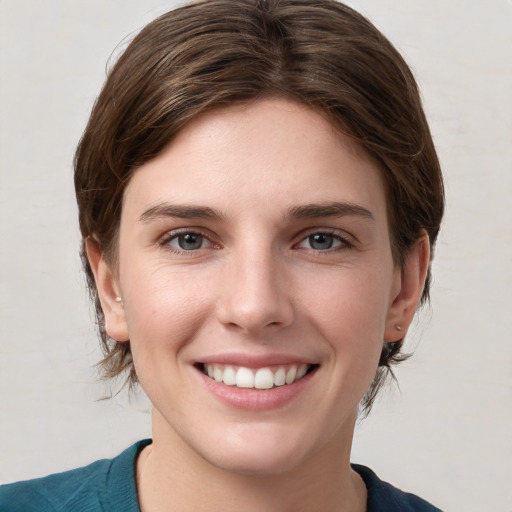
column 164, row 309
column 351, row 301
column 350, row 314
column 163, row 316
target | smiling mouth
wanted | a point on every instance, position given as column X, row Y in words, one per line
column 256, row 378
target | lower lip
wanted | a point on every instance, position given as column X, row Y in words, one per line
column 257, row 399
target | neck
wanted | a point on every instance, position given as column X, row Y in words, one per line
column 172, row 476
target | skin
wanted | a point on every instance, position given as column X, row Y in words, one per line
column 256, row 284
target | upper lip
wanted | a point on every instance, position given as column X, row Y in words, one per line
column 255, row 361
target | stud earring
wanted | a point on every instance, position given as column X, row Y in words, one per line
column 118, row 299
column 398, row 327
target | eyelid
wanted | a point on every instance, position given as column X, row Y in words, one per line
column 165, row 239
column 347, row 240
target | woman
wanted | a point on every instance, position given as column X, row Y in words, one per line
column 259, row 197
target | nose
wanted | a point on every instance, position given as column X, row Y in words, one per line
column 255, row 295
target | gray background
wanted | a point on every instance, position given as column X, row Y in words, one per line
column 445, row 434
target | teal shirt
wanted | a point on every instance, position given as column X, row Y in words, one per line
column 108, row 485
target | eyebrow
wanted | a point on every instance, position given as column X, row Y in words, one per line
column 308, row 211
column 331, row 209
column 164, row 210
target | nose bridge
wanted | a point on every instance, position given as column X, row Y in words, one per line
column 255, row 295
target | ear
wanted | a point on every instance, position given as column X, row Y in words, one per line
column 411, row 280
column 108, row 291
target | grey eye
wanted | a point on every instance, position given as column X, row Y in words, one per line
column 321, row 241
column 188, row 241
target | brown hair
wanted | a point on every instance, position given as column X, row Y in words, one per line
column 215, row 53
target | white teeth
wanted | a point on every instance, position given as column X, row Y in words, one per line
column 229, row 376
column 301, row 371
column 218, row 374
column 291, row 374
column 263, row 378
column 280, row 377
column 244, row 378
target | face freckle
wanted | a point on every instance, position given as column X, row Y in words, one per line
column 257, row 240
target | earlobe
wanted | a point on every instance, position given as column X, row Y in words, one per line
column 411, row 283
column 108, row 292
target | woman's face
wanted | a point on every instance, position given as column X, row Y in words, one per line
column 255, row 248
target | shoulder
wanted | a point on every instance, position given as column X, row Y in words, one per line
column 383, row 497
column 92, row 488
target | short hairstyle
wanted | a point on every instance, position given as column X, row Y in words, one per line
column 215, row 53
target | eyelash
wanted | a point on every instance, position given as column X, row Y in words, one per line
column 342, row 241
column 175, row 235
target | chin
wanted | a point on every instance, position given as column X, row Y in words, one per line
column 262, row 450
column 257, row 462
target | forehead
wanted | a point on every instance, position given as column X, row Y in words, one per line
column 244, row 155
